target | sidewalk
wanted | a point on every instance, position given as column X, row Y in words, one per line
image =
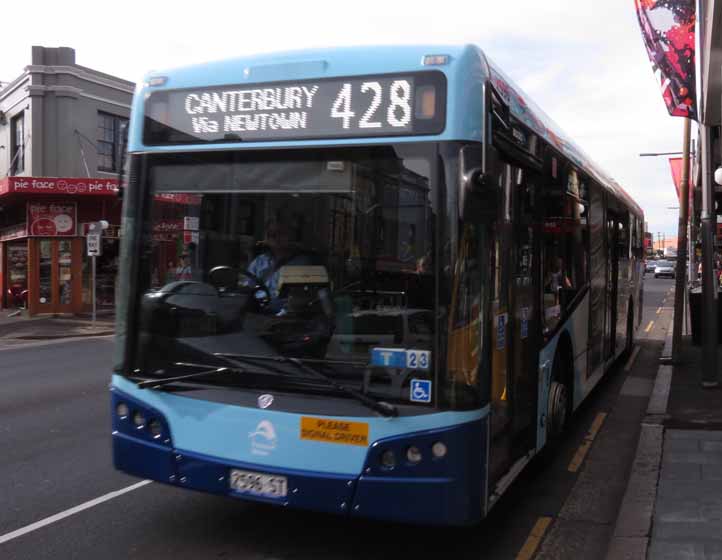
column 45, row 327
column 687, row 519
column 672, row 508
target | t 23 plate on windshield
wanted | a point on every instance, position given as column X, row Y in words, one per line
column 258, row 484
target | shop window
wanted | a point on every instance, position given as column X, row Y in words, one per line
column 17, row 273
column 109, row 141
column 18, row 145
column 565, row 246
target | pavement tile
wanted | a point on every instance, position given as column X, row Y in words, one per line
column 664, row 550
column 683, row 471
column 686, row 531
column 682, row 490
column 684, row 445
column 711, row 445
column 711, row 472
column 701, row 458
column 706, row 435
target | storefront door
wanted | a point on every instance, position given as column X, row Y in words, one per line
column 56, row 282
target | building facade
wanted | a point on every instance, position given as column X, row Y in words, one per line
column 60, row 157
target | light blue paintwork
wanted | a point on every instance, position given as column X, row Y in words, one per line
column 224, row 431
column 466, row 72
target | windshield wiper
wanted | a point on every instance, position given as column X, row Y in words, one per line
column 381, row 407
column 153, row 383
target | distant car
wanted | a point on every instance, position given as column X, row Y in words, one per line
column 650, row 266
column 664, row 268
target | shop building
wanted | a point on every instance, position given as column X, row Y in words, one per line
column 60, row 157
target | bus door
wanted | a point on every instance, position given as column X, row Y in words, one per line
column 524, row 329
column 512, row 314
column 610, row 334
column 598, row 279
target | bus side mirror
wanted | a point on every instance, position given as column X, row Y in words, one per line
column 479, row 190
column 476, row 180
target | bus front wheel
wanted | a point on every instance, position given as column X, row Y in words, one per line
column 559, row 402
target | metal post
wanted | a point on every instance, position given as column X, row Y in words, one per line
column 709, row 284
column 93, row 282
column 680, row 275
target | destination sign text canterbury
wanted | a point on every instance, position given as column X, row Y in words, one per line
column 370, row 106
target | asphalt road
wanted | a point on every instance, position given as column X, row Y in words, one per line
column 55, row 456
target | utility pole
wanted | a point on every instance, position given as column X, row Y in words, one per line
column 680, row 275
column 709, row 282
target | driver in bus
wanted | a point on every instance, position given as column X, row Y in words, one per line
column 281, row 251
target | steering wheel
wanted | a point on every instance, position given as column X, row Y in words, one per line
column 258, row 284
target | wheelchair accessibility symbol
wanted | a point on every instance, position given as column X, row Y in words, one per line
column 421, row 390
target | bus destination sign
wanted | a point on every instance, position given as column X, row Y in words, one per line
column 329, row 108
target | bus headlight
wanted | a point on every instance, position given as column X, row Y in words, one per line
column 388, row 460
column 439, row 449
column 138, row 419
column 156, row 428
column 413, row 454
column 122, row 410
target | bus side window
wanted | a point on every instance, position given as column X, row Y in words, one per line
column 565, row 245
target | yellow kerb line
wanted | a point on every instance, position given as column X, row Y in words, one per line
column 659, row 310
column 535, row 538
column 578, row 458
column 649, row 327
column 633, row 357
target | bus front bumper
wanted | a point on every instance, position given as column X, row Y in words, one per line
column 452, row 495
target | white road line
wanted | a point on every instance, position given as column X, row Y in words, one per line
column 68, row 512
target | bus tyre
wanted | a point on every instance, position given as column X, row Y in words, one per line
column 558, row 410
column 630, row 330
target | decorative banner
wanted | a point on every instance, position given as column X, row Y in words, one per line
column 669, row 37
column 52, row 219
column 676, row 165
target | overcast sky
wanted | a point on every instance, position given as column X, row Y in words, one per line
column 583, row 62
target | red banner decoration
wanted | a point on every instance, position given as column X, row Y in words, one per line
column 52, row 219
column 676, row 165
column 669, row 37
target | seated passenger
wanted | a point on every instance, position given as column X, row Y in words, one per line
column 556, row 278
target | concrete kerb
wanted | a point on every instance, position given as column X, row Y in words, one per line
column 65, row 335
column 633, row 528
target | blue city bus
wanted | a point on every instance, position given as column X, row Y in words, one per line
column 369, row 281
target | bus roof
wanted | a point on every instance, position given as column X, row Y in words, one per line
column 466, row 70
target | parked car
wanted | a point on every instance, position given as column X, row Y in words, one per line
column 664, row 268
column 650, row 266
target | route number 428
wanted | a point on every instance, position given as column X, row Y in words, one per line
column 397, row 100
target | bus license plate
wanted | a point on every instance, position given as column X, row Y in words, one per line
column 258, row 484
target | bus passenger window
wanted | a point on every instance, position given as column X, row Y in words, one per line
column 565, row 245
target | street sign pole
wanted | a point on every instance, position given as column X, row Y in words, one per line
column 93, row 282
column 94, row 243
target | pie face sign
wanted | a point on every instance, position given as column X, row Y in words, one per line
column 52, row 219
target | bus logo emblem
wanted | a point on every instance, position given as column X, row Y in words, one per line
column 264, row 401
column 263, row 438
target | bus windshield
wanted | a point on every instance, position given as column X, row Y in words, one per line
column 327, row 257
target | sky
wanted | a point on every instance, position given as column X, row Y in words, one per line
column 582, row 62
